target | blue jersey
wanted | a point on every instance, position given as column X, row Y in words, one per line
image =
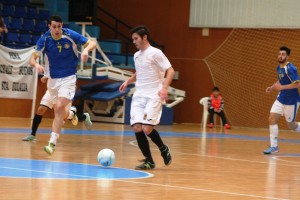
column 287, row 75
column 61, row 55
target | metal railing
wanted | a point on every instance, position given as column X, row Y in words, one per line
column 116, row 26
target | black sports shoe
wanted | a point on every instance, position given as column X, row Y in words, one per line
column 166, row 155
column 145, row 166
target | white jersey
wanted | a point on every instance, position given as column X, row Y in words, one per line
column 151, row 65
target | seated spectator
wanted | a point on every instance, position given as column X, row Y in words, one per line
column 216, row 105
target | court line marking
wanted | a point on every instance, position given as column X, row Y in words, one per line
column 203, row 190
column 133, row 143
column 93, row 178
column 65, row 174
column 143, row 183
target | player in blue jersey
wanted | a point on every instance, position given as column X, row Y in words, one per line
column 59, row 46
column 286, row 103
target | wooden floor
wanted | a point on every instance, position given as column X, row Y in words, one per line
column 212, row 165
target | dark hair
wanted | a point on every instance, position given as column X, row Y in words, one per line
column 55, row 18
column 286, row 49
column 215, row 89
column 141, row 31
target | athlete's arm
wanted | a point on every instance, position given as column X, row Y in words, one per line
column 33, row 63
column 85, row 53
column 279, row 87
column 132, row 79
column 163, row 93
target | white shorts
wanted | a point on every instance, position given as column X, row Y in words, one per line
column 145, row 110
column 62, row 87
column 47, row 100
column 288, row 111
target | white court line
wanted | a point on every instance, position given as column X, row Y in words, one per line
column 75, row 175
column 133, row 143
column 202, row 190
column 143, row 183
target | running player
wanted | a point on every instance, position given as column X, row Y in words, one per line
column 47, row 104
column 60, row 48
column 151, row 91
column 287, row 101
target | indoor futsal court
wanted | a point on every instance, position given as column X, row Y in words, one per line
column 206, row 165
column 217, row 55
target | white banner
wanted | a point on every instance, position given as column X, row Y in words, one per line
column 17, row 77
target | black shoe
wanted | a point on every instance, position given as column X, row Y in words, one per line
column 166, row 155
column 145, row 166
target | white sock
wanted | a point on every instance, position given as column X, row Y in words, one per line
column 71, row 114
column 274, row 135
column 298, row 127
column 54, row 137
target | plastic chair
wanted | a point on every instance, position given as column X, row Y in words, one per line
column 41, row 26
column 28, row 25
column 20, row 11
column 16, row 23
column 25, row 38
column 8, row 10
column 32, row 13
column 204, row 102
column 12, row 37
column 44, row 14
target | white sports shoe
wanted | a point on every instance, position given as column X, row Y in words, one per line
column 87, row 122
column 74, row 120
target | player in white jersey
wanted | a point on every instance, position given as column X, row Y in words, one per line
column 152, row 78
column 59, row 46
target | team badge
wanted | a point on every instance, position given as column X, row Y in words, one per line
column 66, row 46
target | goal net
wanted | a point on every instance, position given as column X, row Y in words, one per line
column 244, row 66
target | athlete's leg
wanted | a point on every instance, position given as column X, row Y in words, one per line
column 153, row 112
column 137, row 113
column 62, row 91
column 290, row 112
column 45, row 104
column 275, row 114
column 61, row 112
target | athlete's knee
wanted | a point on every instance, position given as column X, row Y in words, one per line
column 41, row 110
column 147, row 129
column 137, row 128
column 272, row 120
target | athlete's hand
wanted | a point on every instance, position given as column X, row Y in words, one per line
column 269, row 89
column 123, row 86
column 84, row 55
column 44, row 79
column 163, row 93
column 40, row 69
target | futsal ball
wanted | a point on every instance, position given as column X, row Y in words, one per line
column 106, row 157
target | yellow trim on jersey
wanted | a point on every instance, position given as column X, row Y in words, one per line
column 35, row 54
column 87, row 43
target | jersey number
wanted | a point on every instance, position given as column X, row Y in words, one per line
column 59, row 48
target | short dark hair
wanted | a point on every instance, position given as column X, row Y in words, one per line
column 55, row 18
column 141, row 31
column 215, row 89
column 286, row 49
